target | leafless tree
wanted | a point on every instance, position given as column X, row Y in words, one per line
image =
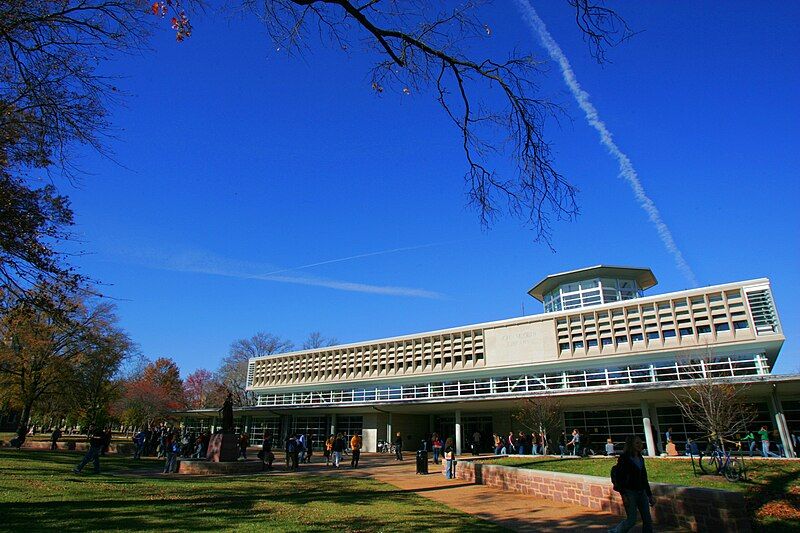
column 233, row 370
column 540, row 415
column 51, row 98
column 315, row 339
column 494, row 104
column 711, row 402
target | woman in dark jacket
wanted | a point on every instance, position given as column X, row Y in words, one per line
column 631, row 479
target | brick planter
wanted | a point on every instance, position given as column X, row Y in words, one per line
column 687, row 508
column 203, row 467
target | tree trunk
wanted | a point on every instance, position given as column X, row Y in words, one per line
column 22, row 428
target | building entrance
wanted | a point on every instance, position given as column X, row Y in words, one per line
column 479, row 426
column 316, row 427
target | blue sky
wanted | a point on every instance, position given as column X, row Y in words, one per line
column 234, row 162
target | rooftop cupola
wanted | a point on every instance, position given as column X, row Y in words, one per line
column 590, row 286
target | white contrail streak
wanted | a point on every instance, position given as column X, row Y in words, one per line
column 626, row 169
column 359, row 256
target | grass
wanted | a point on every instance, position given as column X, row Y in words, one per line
column 39, row 492
column 772, row 490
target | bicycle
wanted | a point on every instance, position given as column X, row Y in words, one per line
column 386, row 447
column 720, row 462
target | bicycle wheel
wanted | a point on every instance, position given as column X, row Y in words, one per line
column 708, row 464
column 733, row 470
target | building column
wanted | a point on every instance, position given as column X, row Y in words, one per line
column 389, row 436
column 780, row 421
column 333, row 424
column 662, row 444
column 458, row 432
column 648, row 430
column 284, row 427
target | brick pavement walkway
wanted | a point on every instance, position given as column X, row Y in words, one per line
column 517, row 512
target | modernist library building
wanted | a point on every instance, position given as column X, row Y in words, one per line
column 613, row 355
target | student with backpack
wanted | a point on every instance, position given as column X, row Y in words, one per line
column 629, row 477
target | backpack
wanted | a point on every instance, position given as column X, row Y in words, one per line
column 616, row 480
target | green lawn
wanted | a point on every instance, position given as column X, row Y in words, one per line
column 772, row 489
column 38, row 491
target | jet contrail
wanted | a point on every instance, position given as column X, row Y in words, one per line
column 359, row 256
column 626, row 169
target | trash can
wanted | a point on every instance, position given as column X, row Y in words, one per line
column 422, row 462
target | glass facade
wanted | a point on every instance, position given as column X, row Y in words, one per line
column 590, row 292
column 316, row 427
column 349, row 426
column 597, row 426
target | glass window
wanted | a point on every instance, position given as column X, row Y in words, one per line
column 592, row 342
column 653, row 335
column 577, row 345
column 669, row 333
column 722, row 327
column 637, row 337
column 686, row 331
column 740, row 324
column 569, row 287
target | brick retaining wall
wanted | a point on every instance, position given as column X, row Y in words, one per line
column 81, row 446
column 689, row 508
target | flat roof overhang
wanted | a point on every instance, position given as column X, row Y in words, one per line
column 644, row 277
column 786, row 385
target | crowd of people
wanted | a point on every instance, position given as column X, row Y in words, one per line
column 171, row 444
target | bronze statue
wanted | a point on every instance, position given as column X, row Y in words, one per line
column 227, row 414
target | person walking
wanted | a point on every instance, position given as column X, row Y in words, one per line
column 266, row 450
column 562, row 444
column 301, row 447
column 309, row 446
column 498, row 444
column 575, row 443
column 54, row 439
column 355, row 445
column 329, row 450
column 173, row 448
column 398, row 447
column 96, row 440
column 338, row 449
column 139, row 442
column 750, row 439
column 511, row 443
column 290, row 449
column 764, row 434
column 244, row 442
column 476, row 443
column 521, row 444
column 436, row 444
column 630, row 480
column 449, row 457
column 106, row 442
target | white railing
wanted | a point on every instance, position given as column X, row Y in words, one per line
column 499, row 387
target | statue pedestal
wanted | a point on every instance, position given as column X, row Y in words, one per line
column 223, row 447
